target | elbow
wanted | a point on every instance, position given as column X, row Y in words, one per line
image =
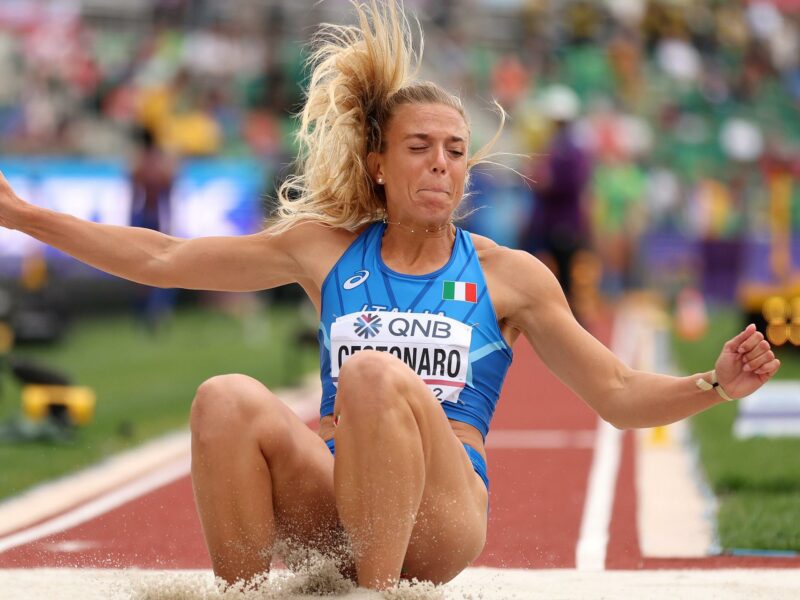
column 618, row 422
column 157, row 270
column 612, row 414
column 611, row 404
column 150, row 274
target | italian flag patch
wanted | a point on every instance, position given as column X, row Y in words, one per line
column 460, row 290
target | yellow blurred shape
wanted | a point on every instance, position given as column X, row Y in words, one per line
column 6, row 338
column 79, row 402
column 155, row 106
column 794, row 324
column 658, row 436
column 777, row 334
column 193, row 133
column 775, row 309
column 776, row 312
column 34, row 273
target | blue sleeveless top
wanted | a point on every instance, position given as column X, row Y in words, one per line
column 442, row 325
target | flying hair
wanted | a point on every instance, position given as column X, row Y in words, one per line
column 359, row 75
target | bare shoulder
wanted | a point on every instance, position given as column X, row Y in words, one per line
column 517, row 280
column 309, row 237
column 483, row 243
column 314, row 247
column 307, row 232
column 519, row 268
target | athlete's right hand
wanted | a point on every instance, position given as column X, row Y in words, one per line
column 10, row 205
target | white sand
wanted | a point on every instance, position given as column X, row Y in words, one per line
column 473, row 584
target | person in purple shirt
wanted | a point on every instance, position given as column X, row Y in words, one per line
column 559, row 226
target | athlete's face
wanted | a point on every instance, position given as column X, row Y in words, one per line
column 423, row 165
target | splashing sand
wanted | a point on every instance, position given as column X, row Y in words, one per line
column 311, row 574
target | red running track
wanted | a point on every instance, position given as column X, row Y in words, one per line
column 537, row 501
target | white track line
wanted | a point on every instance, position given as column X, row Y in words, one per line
column 544, row 439
column 65, row 493
column 101, row 505
column 304, row 404
column 590, row 551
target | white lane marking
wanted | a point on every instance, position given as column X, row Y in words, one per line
column 628, row 334
column 545, row 439
column 101, row 505
column 57, row 496
column 304, row 403
column 69, row 546
column 590, row 553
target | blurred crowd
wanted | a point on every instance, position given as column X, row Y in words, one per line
column 665, row 137
column 682, row 115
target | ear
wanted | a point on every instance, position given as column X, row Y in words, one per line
column 375, row 166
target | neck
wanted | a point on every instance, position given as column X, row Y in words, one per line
column 417, row 249
column 431, row 231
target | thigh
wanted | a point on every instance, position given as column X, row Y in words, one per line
column 450, row 527
column 298, row 463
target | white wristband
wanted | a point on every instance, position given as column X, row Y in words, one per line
column 714, row 385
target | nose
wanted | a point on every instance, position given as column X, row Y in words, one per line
column 439, row 163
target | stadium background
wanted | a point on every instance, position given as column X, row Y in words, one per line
column 688, row 112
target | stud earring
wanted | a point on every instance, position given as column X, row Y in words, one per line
column 380, row 180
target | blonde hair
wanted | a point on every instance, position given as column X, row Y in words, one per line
column 361, row 74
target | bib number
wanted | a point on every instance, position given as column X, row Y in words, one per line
column 435, row 347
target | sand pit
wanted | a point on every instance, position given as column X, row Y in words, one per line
column 473, row 584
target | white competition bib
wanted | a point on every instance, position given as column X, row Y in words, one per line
column 435, row 347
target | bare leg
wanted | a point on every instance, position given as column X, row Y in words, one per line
column 405, row 489
column 258, row 472
column 379, row 473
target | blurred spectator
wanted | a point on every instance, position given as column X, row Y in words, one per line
column 559, row 226
column 152, row 176
column 509, row 81
column 619, row 219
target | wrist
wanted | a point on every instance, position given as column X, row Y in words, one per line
column 709, row 382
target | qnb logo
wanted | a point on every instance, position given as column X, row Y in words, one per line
column 367, row 325
column 356, row 280
column 783, row 320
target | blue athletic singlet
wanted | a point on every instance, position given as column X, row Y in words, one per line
column 442, row 325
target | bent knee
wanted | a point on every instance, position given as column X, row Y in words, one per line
column 375, row 372
column 228, row 401
column 374, row 383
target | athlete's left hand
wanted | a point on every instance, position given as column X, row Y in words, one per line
column 745, row 363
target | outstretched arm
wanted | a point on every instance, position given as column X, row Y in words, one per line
column 623, row 396
column 239, row 263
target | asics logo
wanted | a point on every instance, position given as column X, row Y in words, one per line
column 356, row 280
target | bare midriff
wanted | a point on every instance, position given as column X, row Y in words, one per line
column 467, row 434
